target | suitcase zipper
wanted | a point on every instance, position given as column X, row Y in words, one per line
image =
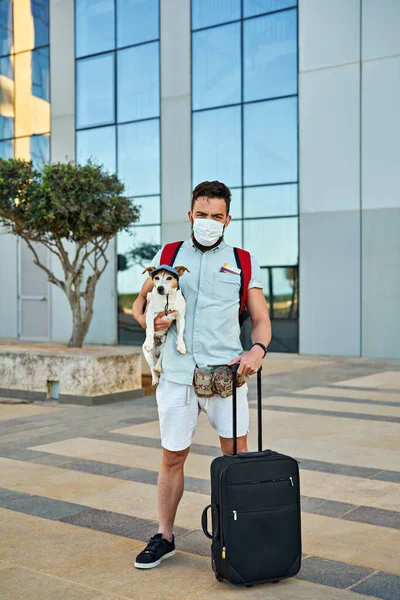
column 235, row 512
column 265, row 481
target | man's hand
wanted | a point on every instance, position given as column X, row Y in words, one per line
column 250, row 361
column 160, row 322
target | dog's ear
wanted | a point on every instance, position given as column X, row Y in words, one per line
column 181, row 270
column 148, row 270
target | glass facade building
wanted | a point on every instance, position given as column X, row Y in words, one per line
column 292, row 104
column 245, row 134
column 118, row 122
column 24, row 80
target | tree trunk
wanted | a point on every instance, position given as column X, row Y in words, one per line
column 81, row 323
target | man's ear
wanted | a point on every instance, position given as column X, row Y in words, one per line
column 181, row 270
column 149, row 269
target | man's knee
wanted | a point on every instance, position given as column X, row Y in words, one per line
column 174, row 459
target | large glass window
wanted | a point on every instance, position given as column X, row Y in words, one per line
column 95, row 91
column 216, row 54
column 24, row 80
column 217, row 145
column 137, row 21
column 140, row 63
column 245, row 134
column 118, row 125
column 94, row 26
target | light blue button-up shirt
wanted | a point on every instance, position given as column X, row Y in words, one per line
column 212, row 332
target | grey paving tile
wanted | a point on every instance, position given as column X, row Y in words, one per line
column 381, row 585
column 39, row 506
column 136, row 474
column 92, row 466
column 326, row 467
column 331, row 573
column 329, row 413
column 393, row 476
column 55, row 460
column 375, row 516
column 194, row 542
column 118, row 524
column 328, row 508
column 344, row 399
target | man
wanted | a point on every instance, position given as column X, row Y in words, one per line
column 212, row 338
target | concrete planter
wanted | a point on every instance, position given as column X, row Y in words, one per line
column 90, row 375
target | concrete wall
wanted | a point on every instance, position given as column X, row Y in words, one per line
column 349, row 53
column 103, row 328
column 176, row 155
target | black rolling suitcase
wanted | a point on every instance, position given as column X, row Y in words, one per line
column 255, row 511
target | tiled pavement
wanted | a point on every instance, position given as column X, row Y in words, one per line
column 78, row 495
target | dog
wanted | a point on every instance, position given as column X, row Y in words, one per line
column 165, row 295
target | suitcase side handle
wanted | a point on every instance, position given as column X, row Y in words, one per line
column 215, row 532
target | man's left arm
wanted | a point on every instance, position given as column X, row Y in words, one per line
column 256, row 304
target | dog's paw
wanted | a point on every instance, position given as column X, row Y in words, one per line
column 157, row 369
column 154, row 378
column 180, row 346
column 148, row 346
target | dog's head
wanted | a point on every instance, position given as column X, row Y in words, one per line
column 165, row 278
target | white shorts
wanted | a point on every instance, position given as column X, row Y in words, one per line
column 179, row 408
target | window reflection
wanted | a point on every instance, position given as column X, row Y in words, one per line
column 150, row 211
column 274, row 242
column 216, row 66
column 233, row 234
column 270, row 201
column 281, row 288
column 32, row 97
column 270, row 56
column 31, row 24
column 99, row 145
column 139, row 157
column 217, row 146
column 6, row 98
column 236, row 203
column 212, row 12
column 7, row 149
column 6, row 27
column 134, row 254
column 270, row 142
column 257, row 7
column 94, row 26
column 137, row 21
column 95, row 91
column 138, row 250
column 138, row 82
column 35, row 148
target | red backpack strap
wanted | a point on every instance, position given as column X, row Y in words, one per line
column 169, row 253
column 243, row 261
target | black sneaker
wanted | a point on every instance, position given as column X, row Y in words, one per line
column 156, row 550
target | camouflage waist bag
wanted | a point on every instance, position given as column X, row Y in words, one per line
column 217, row 380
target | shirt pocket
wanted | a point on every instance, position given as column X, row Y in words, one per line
column 226, row 286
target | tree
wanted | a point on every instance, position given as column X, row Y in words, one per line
column 143, row 254
column 63, row 203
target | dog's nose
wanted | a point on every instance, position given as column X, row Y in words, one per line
column 160, row 289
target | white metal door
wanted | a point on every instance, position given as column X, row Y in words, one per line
column 33, row 294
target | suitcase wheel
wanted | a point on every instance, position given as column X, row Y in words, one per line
column 275, row 581
column 218, row 577
column 249, row 586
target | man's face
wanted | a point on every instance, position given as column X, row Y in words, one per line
column 210, row 208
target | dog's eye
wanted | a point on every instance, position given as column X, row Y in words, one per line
column 156, row 278
column 168, row 278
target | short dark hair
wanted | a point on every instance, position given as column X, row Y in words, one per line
column 212, row 189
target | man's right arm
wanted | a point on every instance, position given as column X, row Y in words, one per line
column 137, row 306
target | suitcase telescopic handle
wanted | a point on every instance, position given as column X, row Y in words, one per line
column 235, row 368
column 215, row 521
